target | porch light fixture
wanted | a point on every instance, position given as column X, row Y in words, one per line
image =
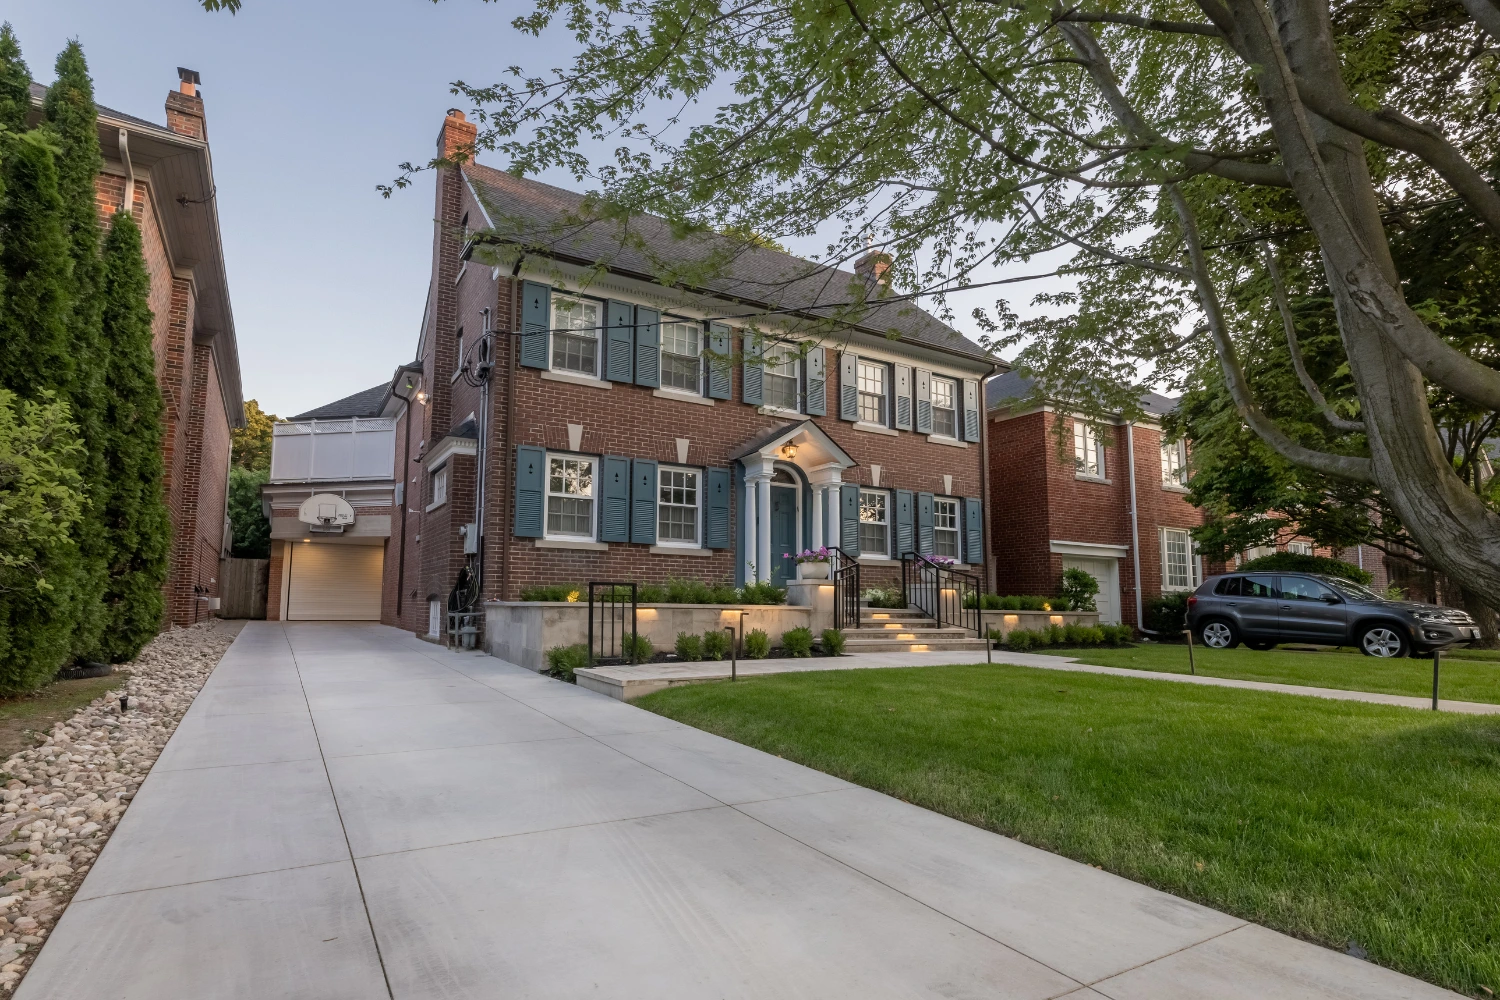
column 789, row 451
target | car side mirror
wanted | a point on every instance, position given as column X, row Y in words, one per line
column 1331, row 599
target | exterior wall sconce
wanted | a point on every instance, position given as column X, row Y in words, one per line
column 789, row 451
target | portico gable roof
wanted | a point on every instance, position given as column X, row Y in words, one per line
column 805, row 432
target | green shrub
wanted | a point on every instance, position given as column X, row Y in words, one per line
column 651, row 593
column 833, row 642
column 1030, row 602
column 1021, row 639
column 1295, row 562
column 637, row 648
column 1166, row 614
column 563, row 660
column 1057, row 635
column 716, row 643
column 797, row 641
column 882, row 597
column 1009, row 604
column 1079, row 588
column 555, row 592
column 688, row 646
column 757, row 644
column 761, row 593
column 1093, row 635
column 1075, row 635
column 1117, row 635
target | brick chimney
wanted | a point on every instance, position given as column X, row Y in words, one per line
column 456, row 142
column 875, row 268
column 185, row 107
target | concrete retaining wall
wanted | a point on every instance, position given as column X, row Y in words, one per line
column 1004, row 621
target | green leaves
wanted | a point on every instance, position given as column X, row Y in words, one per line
column 41, row 492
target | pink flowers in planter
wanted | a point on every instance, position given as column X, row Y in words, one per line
column 818, row 555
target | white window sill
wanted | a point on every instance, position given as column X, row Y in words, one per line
column 682, row 396
column 950, row 442
column 680, row 550
column 869, row 428
column 1174, row 488
column 575, row 379
column 779, row 411
column 580, row 544
column 434, row 506
column 1084, row 477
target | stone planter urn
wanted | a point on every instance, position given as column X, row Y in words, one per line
column 812, row 571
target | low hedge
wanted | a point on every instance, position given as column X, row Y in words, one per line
column 1026, row 602
column 674, row 591
column 1067, row 636
column 1167, row 614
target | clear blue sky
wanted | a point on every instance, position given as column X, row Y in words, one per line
column 310, row 105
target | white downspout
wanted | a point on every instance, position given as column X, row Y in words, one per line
column 1135, row 527
column 128, row 203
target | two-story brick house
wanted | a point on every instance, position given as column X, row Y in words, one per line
column 575, row 422
column 1106, row 498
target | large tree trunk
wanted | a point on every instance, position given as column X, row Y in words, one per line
column 1450, row 523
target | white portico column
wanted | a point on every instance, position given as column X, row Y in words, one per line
column 758, row 483
column 817, row 518
column 747, row 516
column 825, row 481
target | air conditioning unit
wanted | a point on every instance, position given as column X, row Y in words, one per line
column 470, row 534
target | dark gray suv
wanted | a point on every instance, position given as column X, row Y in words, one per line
column 1263, row 609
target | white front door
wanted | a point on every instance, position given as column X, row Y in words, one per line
column 1107, row 572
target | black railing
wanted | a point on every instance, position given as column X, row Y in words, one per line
column 941, row 592
column 844, row 569
column 612, row 615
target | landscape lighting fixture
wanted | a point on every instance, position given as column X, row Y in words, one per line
column 789, row 450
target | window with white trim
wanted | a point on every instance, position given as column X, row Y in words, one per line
column 874, row 390
column 570, row 497
column 681, row 356
column 874, row 523
column 1174, row 463
column 1178, row 566
column 440, row 486
column 677, row 507
column 1088, row 453
column 945, row 527
column 781, row 380
column 575, row 335
column 944, row 407
column 1300, row 548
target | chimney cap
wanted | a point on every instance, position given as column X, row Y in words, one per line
column 188, row 75
column 457, row 113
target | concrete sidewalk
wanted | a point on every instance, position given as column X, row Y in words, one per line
column 347, row 812
column 628, row 683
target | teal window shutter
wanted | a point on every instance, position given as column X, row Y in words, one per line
column 752, row 380
column 817, row 382
column 716, row 508
column 643, row 490
column 648, row 352
column 971, row 410
column 923, row 396
column 973, row 531
column 531, row 486
column 905, row 504
column 848, row 386
column 719, row 359
column 619, row 345
column 536, row 321
column 849, row 520
column 614, row 499
column 924, row 523
column 903, row 397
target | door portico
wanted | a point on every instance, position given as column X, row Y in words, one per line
column 818, row 461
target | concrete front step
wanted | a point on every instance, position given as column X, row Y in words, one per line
column 935, row 644
column 925, row 629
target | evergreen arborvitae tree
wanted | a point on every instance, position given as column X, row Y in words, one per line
column 71, row 123
column 136, row 526
column 15, row 83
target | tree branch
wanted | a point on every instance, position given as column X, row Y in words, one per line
column 1149, row 23
column 1486, row 15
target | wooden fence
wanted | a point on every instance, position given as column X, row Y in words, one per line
column 242, row 587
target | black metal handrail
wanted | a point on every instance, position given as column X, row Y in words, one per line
column 608, row 606
column 941, row 592
column 845, row 573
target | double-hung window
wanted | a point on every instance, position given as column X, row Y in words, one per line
column 874, row 523
column 782, row 379
column 944, row 407
column 945, row 527
column 440, row 486
column 681, row 356
column 874, row 391
column 575, row 335
column 677, row 507
column 1177, row 568
column 1300, row 548
column 1088, row 453
column 1174, row 463
column 570, row 497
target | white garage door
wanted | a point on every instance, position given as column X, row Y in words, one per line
column 330, row 582
column 1107, row 572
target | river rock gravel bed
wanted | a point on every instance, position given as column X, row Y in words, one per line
column 63, row 798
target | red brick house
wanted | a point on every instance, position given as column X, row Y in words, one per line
column 567, row 423
column 1109, row 499
column 165, row 175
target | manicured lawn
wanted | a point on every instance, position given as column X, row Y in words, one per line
column 1338, row 822
column 1462, row 679
column 25, row 719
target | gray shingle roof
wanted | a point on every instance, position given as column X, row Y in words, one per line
column 368, row 403
column 1014, row 386
column 39, row 94
column 534, row 215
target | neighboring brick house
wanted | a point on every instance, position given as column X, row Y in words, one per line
column 624, row 435
column 1063, row 495
column 165, row 175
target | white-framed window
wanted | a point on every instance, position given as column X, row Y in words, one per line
column 682, row 356
column 1300, row 548
column 1179, row 569
column 1088, row 453
column 575, row 335
column 439, row 486
column 570, row 497
column 1174, row 463
column 945, row 528
column 677, row 507
column 944, row 407
column 781, row 380
column 874, row 391
column 875, row 523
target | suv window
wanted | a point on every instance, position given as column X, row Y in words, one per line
column 1300, row 588
column 1228, row 587
column 1259, row 586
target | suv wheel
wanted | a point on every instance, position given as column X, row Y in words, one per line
column 1383, row 641
column 1218, row 633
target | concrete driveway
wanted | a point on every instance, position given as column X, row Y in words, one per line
column 349, row 812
